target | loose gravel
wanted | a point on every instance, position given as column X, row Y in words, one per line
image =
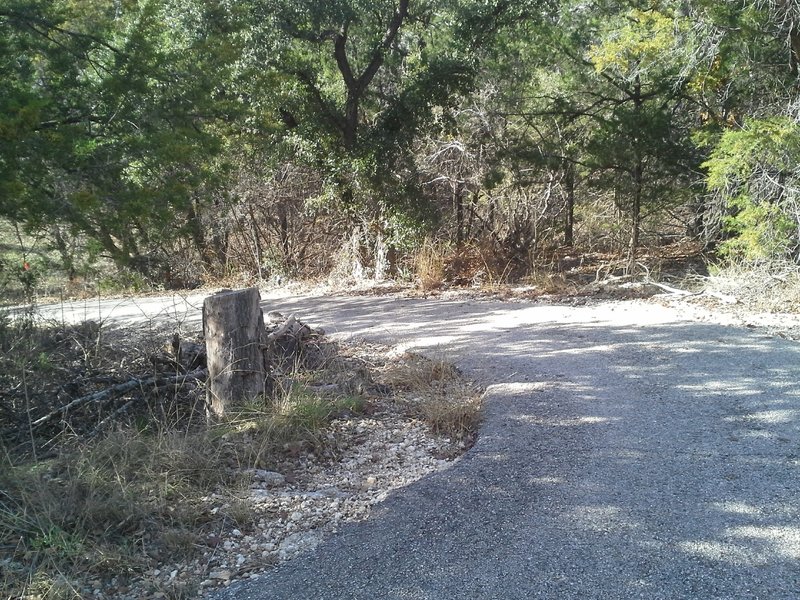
column 291, row 510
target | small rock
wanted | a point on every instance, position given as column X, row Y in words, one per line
column 299, row 542
column 270, row 478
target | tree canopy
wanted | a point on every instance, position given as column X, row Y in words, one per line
column 269, row 136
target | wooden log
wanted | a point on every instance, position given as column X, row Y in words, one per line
column 233, row 327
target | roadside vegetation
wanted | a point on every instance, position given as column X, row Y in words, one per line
column 98, row 496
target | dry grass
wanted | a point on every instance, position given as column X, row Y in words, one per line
column 548, row 282
column 765, row 286
column 436, row 392
column 482, row 265
column 118, row 505
column 110, row 506
column 429, row 266
column 80, row 504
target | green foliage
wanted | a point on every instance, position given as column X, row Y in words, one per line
column 755, row 171
column 108, row 121
column 761, row 146
column 760, row 231
column 129, row 126
column 646, row 43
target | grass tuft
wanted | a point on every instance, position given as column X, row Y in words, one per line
column 80, row 503
column 437, row 393
column 429, row 266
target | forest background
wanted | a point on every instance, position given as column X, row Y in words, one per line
column 167, row 143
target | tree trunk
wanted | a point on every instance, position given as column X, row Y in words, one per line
column 637, row 175
column 219, row 237
column 67, row 258
column 569, row 193
column 197, row 232
column 233, row 327
column 636, row 205
column 458, row 201
column 285, row 233
column 258, row 249
column 350, row 124
column 473, row 208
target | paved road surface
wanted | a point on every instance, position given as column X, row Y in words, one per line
column 626, row 453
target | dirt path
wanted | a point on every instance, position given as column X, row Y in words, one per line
column 627, row 452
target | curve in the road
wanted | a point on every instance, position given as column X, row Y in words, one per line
column 627, row 452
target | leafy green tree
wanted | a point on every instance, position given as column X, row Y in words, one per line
column 357, row 83
column 747, row 87
column 755, row 169
column 109, row 119
column 640, row 145
column 604, row 103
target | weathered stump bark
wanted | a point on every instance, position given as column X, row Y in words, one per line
column 233, row 326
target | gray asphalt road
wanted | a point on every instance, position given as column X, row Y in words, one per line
column 626, row 453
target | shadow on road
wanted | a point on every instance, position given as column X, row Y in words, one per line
column 624, row 454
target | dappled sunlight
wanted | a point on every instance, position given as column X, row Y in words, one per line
column 769, row 416
column 687, row 350
column 571, row 422
column 737, row 508
column 601, row 519
column 754, row 545
column 610, row 430
column 585, row 349
column 434, row 341
column 547, row 480
column 780, row 540
column 759, row 434
column 723, row 552
column 743, row 389
column 517, row 388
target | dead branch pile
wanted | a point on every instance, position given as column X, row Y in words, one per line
column 289, row 343
column 87, row 381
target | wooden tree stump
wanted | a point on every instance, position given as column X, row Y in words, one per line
column 233, row 326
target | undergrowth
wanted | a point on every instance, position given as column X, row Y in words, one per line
column 100, row 493
column 769, row 286
column 435, row 391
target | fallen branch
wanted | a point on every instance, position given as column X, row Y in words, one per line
column 686, row 294
column 287, row 327
column 672, row 290
column 119, row 390
column 110, row 418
